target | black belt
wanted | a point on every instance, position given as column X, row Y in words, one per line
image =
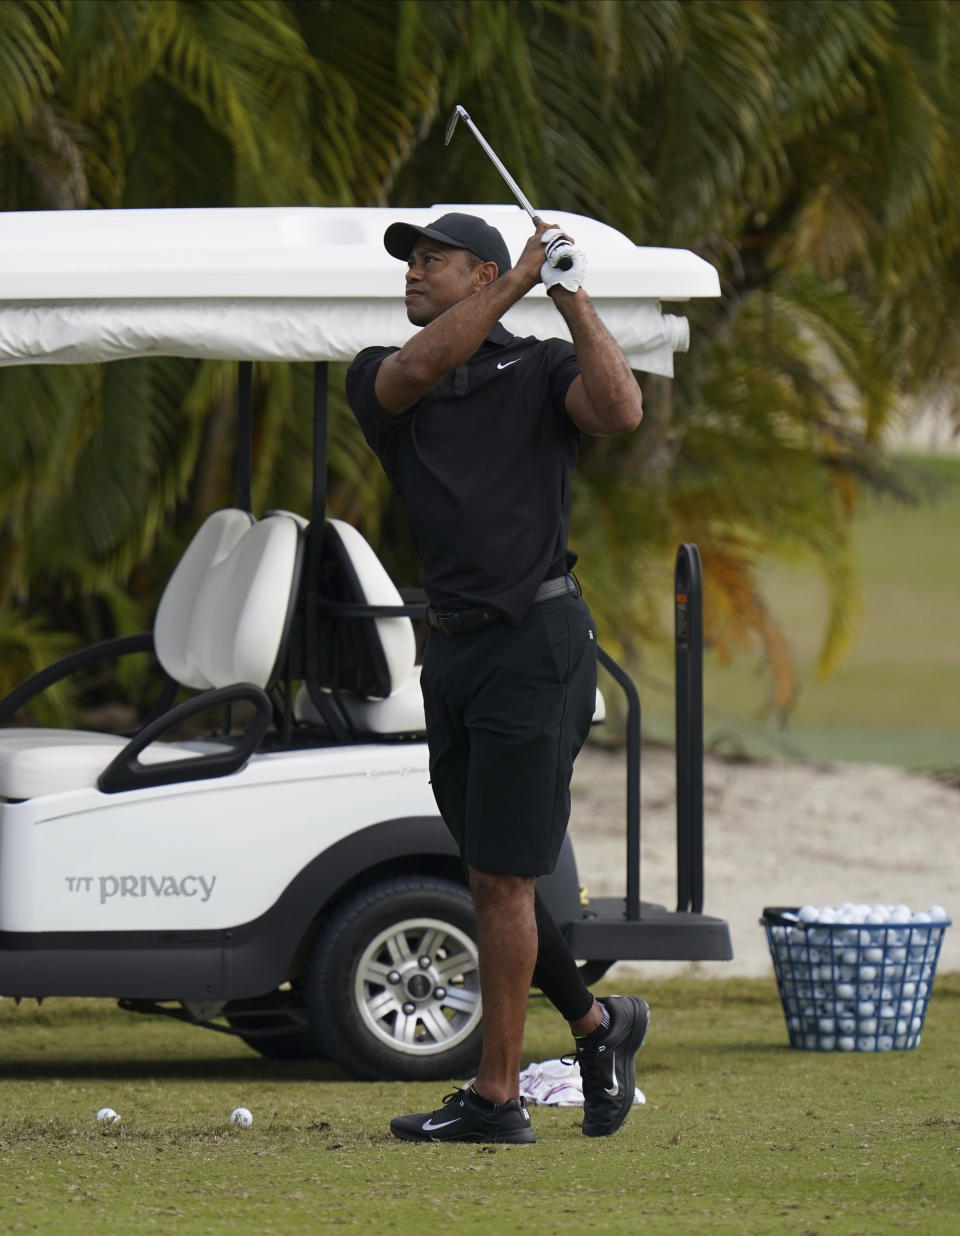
column 473, row 619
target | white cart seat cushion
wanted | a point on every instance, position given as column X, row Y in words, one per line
column 394, row 645
column 46, row 761
column 227, row 607
column 599, row 709
column 400, row 713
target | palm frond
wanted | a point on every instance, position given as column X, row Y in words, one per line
column 737, row 618
column 26, row 646
column 30, row 36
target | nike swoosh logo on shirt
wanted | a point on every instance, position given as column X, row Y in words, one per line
column 507, row 364
column 429, row 1126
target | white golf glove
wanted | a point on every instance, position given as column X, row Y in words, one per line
column 557, row 247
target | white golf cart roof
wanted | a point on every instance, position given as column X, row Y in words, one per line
column 288, row 283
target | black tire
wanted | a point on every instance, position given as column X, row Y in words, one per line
column 392, row 987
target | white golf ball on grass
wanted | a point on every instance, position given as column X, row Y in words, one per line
column 242, row 1117
column 106, row 1115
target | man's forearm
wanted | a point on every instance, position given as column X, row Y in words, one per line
column 613, row 400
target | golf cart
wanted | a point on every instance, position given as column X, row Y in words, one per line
column 283, row 874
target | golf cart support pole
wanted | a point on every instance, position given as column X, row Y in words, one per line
column 633, row 781
column 311, row 590
column 688, row 652
column 321, row 378
column 245, row 435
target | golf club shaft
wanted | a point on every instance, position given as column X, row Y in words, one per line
column 563, row 261
column 495, row 160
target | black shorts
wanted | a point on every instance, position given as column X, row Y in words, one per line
column 508, row 709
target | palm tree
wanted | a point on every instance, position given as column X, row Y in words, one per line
column 808, row 149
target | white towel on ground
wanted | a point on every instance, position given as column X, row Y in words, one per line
column 555, row 1083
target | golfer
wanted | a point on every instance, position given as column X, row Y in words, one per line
column 478, row 431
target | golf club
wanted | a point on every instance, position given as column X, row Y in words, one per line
column 555, row 255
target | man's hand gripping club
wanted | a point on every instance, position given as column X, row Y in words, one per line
column 559, row 247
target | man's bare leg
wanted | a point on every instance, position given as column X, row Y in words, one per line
column 584, row 1025
column 507, row 948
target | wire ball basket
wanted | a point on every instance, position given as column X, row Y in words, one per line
column 855, row 977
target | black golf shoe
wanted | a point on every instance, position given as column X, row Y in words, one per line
column 461, row 1119
column 607, row 1068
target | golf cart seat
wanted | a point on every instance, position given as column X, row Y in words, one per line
column 368, row 662
column 221, row 629
column 366, row 667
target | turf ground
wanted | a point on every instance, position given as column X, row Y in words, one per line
column 740, row 1133
column 893, row 699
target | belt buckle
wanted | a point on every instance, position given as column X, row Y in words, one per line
column 435, row 621
column 446, row 624
column 460, row 623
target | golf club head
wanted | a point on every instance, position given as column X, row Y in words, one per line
column 455, row 115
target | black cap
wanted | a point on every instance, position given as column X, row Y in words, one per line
column 460, row 231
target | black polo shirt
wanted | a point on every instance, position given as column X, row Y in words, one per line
column 482, row 465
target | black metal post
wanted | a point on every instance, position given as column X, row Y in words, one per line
column 245, row 435
column 688, row 646
column 633, row 780
column 318, row 511
column 318, row 503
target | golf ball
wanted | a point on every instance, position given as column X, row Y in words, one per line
column 241, row 1116
column 106, row 1115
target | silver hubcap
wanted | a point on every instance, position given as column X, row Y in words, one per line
column 417, row 986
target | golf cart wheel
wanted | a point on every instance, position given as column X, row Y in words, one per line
column 393, row 986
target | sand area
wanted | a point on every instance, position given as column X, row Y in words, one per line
column 775, row 834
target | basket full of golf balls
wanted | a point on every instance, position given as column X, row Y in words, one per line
column 855, row 977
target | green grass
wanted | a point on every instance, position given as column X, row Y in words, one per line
column 893, row 698
column 740, row 1133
